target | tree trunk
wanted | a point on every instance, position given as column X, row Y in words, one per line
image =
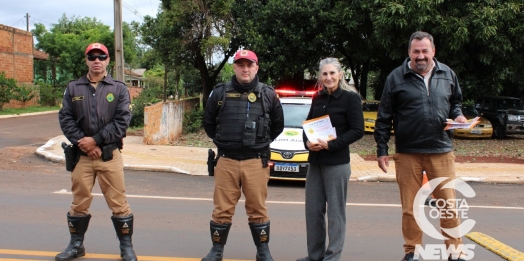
column 165, row 81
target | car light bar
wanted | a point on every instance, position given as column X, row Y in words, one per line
column 294, row 92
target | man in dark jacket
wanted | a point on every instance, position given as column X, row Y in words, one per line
column 94, row 117
column 418, row 98
column 242, row 117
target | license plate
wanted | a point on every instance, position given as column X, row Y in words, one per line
column 476, row 131
column 286, row 167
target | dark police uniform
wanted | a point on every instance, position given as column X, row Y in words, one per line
column 242, row 125
column 101, row 111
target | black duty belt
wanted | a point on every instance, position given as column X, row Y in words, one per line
column 238, row 155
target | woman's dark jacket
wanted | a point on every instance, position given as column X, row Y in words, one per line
column 345, row 112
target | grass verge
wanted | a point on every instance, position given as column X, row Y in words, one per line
column 30, row 109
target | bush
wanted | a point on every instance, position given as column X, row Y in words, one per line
column 7, row 86
column 24, row 94
column 49, row 94
column 147, row 97
column 193, row 120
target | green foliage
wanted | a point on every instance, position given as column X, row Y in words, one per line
column 49, row 95
column 482, row 41
column 65, row 42
column 193, row 120
column 226, row 73
column 7, row 85
column 24, row 94
column 147, row 97
column 286, row 35
column 198, row 34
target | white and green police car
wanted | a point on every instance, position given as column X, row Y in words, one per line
column 288, row 155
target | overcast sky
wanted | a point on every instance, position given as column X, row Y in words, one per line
column 47, row 12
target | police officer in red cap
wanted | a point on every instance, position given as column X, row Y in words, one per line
column 94, row 117
column 242, row 117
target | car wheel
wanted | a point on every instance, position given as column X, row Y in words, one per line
column 499, row 132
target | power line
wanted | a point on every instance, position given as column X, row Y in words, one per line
column 21, row 19
column 130, row 9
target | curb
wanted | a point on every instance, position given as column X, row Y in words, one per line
column 44, row 153
column 496, row 246
column 50, row 152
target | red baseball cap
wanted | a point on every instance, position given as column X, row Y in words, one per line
column 245, row 54
column 97, row 46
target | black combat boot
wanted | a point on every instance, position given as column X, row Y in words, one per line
column 77, row 228
column 260, row 233
column 219, row 234
column 124, row 231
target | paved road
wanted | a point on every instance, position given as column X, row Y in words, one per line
column 173, row 210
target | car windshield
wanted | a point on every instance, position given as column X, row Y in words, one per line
column 295, row 114
column 469, row 112
column 370, row 106
column 510, row 104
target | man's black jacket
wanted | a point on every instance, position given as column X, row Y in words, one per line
column 416, row 114
column 103, row 114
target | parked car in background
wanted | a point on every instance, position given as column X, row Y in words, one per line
column 288, row 159
column 506, row 114
column 370, row 110
column 483, row 129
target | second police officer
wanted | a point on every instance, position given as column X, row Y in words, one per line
column 242, row 116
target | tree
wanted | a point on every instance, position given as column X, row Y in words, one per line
column 161, row 34
column 205, row 32
column 66, row 41
column 482, row 41
column 287, row 36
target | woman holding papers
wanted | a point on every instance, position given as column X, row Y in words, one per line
column 329, row 169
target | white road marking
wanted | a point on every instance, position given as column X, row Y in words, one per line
column 63, row 191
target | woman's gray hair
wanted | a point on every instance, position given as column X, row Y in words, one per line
column 342, row 83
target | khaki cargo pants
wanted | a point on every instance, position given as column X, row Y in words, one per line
column 233, row 177
column 409, row 167
column 110, row 178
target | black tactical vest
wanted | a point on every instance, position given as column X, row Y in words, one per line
column 242, row 117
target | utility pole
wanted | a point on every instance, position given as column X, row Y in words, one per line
column 119, row 42
column 27, row 20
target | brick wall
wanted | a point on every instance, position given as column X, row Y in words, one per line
column 163, row 120
column 134, row 92
column 16, row 56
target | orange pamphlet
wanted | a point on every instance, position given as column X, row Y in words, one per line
column 319, row 128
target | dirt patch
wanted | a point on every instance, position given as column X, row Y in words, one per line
column 22, row 159
column 469, row 159
column 508, row 150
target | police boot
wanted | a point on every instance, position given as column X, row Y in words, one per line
column 124, row 231
column 260, row 233
column 219, row 234
column 77, row 228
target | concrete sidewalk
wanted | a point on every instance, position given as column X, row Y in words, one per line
column 192, row 161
